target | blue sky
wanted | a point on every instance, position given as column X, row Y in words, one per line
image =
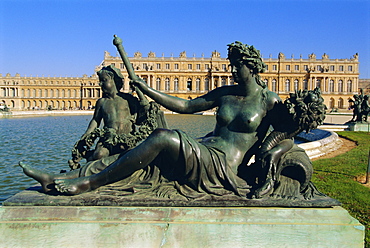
column 68, row 38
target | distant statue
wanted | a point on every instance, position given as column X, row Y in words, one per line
column 355, row 57
column 281, row 56
column 312, row 56
column 151, row 54
column 216, row 54
column 360, row 106
column 183, row 54
column 138, row 54
column 171, row 164
column 325, row 56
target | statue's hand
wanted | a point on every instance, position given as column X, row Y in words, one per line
column 270, row 160
column 117, row 41
column 139, row 83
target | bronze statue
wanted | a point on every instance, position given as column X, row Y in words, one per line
column 360, row 106
column 176, row 164
column 118, row 111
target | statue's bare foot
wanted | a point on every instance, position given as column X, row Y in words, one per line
column 73, row 186
column 266, row 189
column 46, row 179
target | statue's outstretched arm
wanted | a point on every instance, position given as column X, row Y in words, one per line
column 180, row 105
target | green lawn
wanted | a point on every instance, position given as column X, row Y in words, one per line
column 336, row 178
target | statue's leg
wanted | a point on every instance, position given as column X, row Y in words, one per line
column 161, row 141
column 46, row 179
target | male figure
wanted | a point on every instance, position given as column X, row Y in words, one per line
column 118, row 110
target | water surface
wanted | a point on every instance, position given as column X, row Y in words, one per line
column 46, row 142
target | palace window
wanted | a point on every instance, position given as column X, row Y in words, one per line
column 158, row 84
column 167, row 66
column 121, row 66
column 189, row 85
column 305, row 84
column 350, row 68
column 224, row 67
column 158, row 66
column 273, row 86
column 349, row 86
column 287, row 67
column 331, row 103
column 296, row 67
column 176, row 84
column 206, row 66
column 206, row 84
column 340, row 86
column 332, row 68
column 145, row 66
column 305, row 67
column 190, row 66
column 267, row 67
column 340, row 103
column 167, row 84
column 223, row 81
column 331, row 85
column 274, row 67
column 198, row 66
column 319, row 68
column 318, row 83
column 341, row 68
column 287, row 85
column 296, row 84
column 197, row 84
column 176, row 66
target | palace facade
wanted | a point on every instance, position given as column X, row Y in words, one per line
column 186, row 77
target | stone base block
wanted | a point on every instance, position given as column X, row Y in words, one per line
column 355, row 126
column 53, row 226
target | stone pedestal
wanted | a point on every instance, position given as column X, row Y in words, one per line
column 357, row 126
column 120, row 226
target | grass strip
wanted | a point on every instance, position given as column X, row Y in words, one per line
column 337, row 176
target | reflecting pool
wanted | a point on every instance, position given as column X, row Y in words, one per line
column 46, row 142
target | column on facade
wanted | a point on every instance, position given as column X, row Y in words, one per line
column 149, row 80
column 313, row 82
column 202, row 83
column 126, row 85
column 163, row 82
